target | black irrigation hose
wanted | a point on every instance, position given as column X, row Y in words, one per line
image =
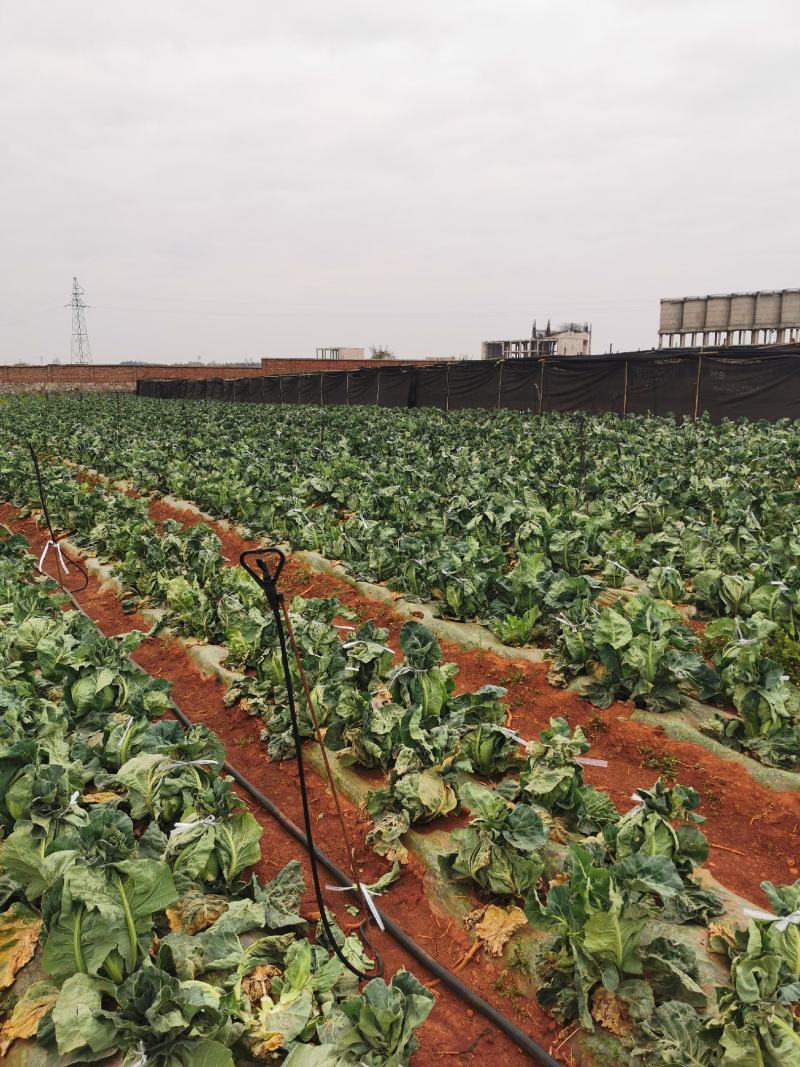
column 53, row 538
column 447, row 978
column 523, row 1042
column 267, row 581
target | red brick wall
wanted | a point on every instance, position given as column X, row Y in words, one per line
column 107, row 376
column 112, row 376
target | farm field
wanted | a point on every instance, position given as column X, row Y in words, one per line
column 657, row 566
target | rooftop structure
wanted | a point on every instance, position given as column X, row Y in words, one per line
column 338, row 352
column 570, row 339
column 761, row 318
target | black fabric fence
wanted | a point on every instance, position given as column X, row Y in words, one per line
column 756, row 383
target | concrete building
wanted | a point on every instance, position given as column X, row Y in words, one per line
column 762, row 318
column 570, row 339
column 340, row 353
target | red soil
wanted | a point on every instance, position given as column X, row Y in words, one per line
column 753, row 831
column 453, row 1033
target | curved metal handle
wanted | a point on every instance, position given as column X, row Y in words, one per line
column 267, row 578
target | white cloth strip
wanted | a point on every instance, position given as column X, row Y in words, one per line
column 352, row 644
column 181, row 827
column 366, row 893
column 141, row 1059
column 590, row 761
column 73, row 803
column 512, row 734
column 52, row 544
column 782, row 922
column 194, row 763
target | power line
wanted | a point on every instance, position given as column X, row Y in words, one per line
column 80, row 351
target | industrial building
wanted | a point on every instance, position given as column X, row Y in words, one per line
column 570, row 339
column 338, row 352
column 762, row 318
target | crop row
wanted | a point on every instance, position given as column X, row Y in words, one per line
column 123, row 858
column 554, row 550
column 601, row 966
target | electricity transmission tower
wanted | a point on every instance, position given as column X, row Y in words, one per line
column 81, row 352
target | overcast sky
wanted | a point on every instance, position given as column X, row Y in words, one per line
column 253, row 178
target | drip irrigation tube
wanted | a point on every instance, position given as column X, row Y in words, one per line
column 447, row 978
column 523, row 1042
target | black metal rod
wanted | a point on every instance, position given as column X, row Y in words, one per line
column 523, row 1042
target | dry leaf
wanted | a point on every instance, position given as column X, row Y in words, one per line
column 380, row 697
column 722, row 932
column 100, row 798
column 34, row 1003
column 261, row 1042
column 257, row 984
column 611, row 1012
column 19, row 934
column 498, row 925
column 195, row 911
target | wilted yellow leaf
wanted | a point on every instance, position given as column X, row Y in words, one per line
column 261, row 1042
column 100, row 798
column 19, row 933
column 35, row 1002
column 195, row 911
column 497, row 925
column 611, row 1012
column 257, row 984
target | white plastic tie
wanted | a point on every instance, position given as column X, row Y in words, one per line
column 48, row 545
column 141, row 1059
column 181, row 827
column 352, row 644
column 194, row 763
column 366, row 893
column 513, row 735
column 590, row 761
column 73, row 803
column 782, row 922
column 341, row 626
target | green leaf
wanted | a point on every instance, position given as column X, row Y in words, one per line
column 608, row 935
column 613, row 629
column 79, row 1019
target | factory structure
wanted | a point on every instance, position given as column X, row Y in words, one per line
column 762, row 318
column 570, row 339
column 340, row 352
